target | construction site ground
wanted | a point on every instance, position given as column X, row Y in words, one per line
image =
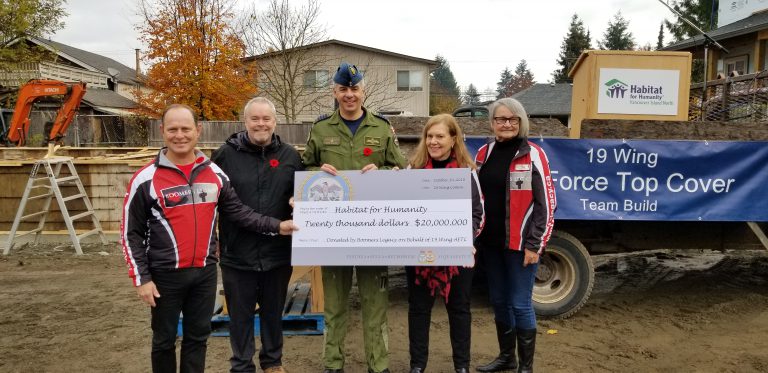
column 658, row 311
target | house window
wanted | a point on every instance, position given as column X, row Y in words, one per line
column 263, row 81
column 316, row 78
column 409, row 80
column 738, row 64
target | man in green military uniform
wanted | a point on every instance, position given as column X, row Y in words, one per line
column 353, row 138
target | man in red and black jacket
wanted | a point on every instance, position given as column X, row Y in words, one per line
column 169, row 239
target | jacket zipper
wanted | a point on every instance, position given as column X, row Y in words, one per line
column 261, row 165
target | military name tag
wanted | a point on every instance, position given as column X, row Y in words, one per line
column 372, row 141
column 331, row 140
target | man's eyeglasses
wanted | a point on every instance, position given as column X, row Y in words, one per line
column 502, row 120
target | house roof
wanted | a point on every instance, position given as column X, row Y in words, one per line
column 753, row 23
column 88, row 60
column 431, row 63
column 546, row 99
column 96, row 97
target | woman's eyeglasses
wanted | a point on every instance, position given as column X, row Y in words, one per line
column 503, row 120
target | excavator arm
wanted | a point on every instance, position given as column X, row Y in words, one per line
column 31, row 92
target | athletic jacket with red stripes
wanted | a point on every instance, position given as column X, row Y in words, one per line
column 168, row 219
column 531, row 200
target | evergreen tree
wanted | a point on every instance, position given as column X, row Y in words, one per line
column 444, row 76
column 660, row 40
column 443, row 90
column 702, row 13
column 522, row 79
column 503, row 84
column 471, row 95
column 576, row 41
column 617, row 36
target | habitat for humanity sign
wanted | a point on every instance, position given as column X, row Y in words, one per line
column 638, row 91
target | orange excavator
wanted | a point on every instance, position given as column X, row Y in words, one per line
column 33, row 90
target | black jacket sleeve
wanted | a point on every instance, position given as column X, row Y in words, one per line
column 218, row 155
column 478, row 212
column 242, row 215
column 135, row 231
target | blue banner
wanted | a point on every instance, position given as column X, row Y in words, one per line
column 657, row 179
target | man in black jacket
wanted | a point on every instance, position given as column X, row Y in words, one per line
column 256, row 268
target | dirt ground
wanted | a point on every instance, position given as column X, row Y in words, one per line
column 650, row 312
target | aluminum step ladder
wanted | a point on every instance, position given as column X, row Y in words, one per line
column 50, row 186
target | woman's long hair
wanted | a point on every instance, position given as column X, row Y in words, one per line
column 420, row 157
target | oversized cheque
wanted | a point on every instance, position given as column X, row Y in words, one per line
column 405, row 217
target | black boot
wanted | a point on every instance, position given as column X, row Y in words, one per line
column 526, row 344
column 506, row 359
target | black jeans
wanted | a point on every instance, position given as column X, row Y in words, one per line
column 420, row 303
column 242, row 290
column 191, row 291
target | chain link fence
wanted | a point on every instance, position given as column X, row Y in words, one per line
column 741, row 98
column 88, row 130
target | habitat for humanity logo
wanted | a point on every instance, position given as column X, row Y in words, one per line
column 616, row 88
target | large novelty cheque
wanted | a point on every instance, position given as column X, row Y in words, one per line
column 405, row 217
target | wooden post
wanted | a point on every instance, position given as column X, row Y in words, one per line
column 316, row 283
column 725, row 112
column 318, row 305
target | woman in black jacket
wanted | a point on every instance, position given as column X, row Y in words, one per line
column 442, row 146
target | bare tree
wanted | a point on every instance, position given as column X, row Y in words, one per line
column 378, row 87
column 289, row 73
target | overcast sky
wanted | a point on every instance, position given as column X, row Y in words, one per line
column 477, row 37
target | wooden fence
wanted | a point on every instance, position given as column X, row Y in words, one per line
column 215, row 133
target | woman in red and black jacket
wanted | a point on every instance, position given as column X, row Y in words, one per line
column 519, row 208
column 442, row 146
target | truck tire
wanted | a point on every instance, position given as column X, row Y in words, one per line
column 564, row 279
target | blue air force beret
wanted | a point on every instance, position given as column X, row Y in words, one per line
column 347, row 75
